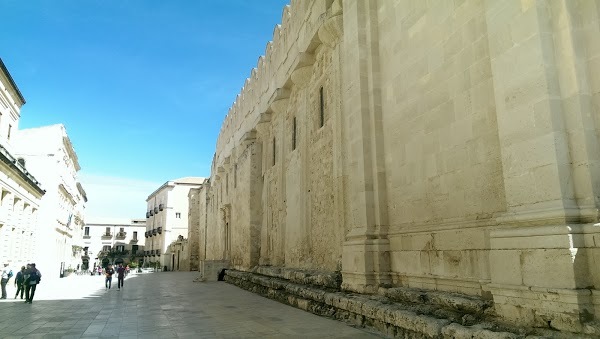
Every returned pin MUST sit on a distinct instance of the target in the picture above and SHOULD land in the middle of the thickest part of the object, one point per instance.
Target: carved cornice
(280, 105)
(279, 100)
(332, 30)
(301, 76)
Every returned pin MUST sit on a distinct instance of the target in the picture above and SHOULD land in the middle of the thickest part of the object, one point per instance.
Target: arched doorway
(105, 262)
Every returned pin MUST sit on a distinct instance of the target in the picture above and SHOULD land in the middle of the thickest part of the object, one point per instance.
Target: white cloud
(115, 197)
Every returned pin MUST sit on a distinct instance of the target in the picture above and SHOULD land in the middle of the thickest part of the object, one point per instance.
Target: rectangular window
(108, 231)
(122, 230)
(177, 215)
(106, 248)
(134, 235)
(134, 248)
(87, 230)
(274, 149)
(234, 175)
(294, 134)
(321, 107)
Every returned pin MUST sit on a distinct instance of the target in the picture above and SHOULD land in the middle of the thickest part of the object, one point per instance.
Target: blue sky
(141, 86)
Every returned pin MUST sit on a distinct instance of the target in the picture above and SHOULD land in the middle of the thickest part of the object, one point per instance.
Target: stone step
(394, 319)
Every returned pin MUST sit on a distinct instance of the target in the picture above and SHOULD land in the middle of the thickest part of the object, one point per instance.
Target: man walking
(120, 276)
(6, 274)
(109, 273)
(20, 282)
(33, 278)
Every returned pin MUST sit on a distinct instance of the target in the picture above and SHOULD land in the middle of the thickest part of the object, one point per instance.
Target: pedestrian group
(26, 281)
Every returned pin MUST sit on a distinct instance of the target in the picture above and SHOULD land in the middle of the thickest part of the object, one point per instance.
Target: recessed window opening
(294, 134)
(234, 175)
(321, 107)
(274, 149)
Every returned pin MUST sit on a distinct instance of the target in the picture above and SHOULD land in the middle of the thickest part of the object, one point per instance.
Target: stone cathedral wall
(445, 145)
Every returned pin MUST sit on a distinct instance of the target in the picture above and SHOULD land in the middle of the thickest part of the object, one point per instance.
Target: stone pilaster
(549, 150)
(365, 257)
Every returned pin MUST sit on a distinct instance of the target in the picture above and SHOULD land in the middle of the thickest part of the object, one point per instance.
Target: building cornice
(12, 82)
(13, 164)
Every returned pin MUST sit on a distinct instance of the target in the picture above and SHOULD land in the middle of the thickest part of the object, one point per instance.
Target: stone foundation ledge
(325, 279)
(452, 301)
(394, 319)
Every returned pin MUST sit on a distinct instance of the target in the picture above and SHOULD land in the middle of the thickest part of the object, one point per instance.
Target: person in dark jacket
(120, 276)
(109, 273)
(20, 282)
(32, 279)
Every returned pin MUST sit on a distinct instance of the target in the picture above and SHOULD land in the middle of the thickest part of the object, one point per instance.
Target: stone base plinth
(210, 269)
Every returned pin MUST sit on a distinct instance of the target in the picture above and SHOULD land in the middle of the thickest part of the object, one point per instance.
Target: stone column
(365, 257)
(539, 259)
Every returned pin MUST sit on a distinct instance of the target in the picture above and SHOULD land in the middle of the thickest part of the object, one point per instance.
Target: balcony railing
(147, 214)
(121, 235)
(106, 235)
(151, 212)
(159, 230)
(86, 236)
(155, 210)
(160, 207)
(154, 231)
(134, 241)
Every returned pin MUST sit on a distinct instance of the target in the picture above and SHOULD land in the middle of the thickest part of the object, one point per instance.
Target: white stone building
(449, 146)
(113, 241)
(20, 192)
(49, 155)
(167, 219)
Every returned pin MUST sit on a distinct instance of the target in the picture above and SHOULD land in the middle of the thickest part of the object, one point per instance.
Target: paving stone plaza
(159, 305)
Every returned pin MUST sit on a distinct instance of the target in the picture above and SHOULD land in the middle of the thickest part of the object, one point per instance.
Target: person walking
(20, 282)
(120, 276)
(6, 274)
(33, 279)
(109, 273)
(99, 270)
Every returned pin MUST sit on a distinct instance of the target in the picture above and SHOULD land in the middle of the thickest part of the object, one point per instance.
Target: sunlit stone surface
(442, 146)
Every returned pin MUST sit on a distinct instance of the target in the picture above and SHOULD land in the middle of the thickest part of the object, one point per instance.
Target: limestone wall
(447, 145)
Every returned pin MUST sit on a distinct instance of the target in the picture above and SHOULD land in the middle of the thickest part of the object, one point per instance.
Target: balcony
(121, 235)
(151, 212)
(147, 215)
(134, 241)
(86, 236)
(159, 230)
(106, 235)
(160, 207)
(155, 210)
(154, 231)
(146, 234)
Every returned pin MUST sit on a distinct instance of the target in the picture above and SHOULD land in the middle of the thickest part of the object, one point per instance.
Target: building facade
(448, 146)
(167, 219)
(113, 241)
(49, 155)
(20, 192)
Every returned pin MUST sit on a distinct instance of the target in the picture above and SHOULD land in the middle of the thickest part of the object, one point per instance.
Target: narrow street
(158, 305)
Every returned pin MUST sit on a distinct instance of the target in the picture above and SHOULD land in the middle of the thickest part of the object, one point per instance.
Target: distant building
(167, 219)
(113, 241)
(48, 154)
(20, 192)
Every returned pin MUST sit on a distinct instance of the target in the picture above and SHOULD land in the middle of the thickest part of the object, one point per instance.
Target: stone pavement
(159, 305)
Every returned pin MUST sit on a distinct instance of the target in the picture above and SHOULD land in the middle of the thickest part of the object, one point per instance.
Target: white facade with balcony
(20, 192)
(113, 241)
(49, 155)
(167, 219)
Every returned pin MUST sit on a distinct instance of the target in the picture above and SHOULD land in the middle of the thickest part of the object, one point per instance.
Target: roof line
(12, 82)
